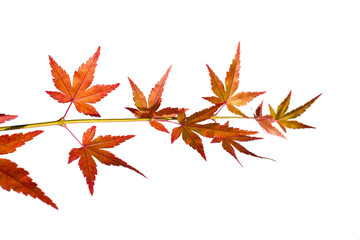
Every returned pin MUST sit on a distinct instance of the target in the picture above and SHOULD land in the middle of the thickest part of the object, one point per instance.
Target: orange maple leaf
(231, 142)
(93, 148)
(282, 116)
(225, 95)
(189, 126)
(150, 109)
(79, 92)
(14, 178)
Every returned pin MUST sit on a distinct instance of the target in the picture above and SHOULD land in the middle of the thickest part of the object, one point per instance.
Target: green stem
(62, 122)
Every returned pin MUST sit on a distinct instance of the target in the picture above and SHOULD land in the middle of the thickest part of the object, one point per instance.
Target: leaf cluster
(193, 128)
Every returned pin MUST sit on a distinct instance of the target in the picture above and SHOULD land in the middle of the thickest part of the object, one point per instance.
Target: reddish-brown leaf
(281, 116)
(158, 126)
(186, 125)
(4, 117)
(156, 92)
(93, 148)
(229, 142)
(232, 76)
(190, 127)
(199, 116)
(139, 97)
(11, 176)
(149, 109)
(225, 95)
(193, 140)
(79, 92)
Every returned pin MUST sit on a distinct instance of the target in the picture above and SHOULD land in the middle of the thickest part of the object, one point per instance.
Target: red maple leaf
(14, 178)
(79, 93)
(150, 109)
(4, 117)
(93, 148)
(225, 95)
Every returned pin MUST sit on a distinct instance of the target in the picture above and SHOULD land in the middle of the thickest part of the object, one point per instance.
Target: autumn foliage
(79, 93)
(191, 127)
(13, 177)
(93, 148)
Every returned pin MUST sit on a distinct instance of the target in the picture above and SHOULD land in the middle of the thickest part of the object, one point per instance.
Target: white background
(310, 47)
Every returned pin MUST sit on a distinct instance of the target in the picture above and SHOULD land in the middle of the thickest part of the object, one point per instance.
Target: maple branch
(231, 117)
(81, 93)
(62, 122)
(30, 125)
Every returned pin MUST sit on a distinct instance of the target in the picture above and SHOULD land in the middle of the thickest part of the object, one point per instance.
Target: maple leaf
(189, 126)
(9, 143)
(225, 95)
(79, 93)
(149, 109)
(266, 122)
(14, 178)
(231, 142)
(282, 116)
(93, 148)
(4, 117)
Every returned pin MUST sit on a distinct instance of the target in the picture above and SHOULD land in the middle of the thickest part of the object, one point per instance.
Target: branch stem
(62, 122)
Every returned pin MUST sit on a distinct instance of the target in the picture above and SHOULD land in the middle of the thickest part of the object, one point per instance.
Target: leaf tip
(94, 115)
(129, 136)
(131, 82)
(91, 188)
(208, 67)
(37, 132)
(318, 96)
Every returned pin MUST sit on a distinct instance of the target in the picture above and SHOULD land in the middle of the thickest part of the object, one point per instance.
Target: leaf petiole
(73, 135)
